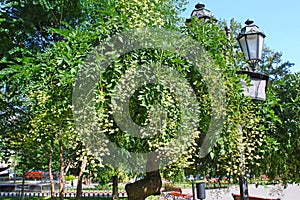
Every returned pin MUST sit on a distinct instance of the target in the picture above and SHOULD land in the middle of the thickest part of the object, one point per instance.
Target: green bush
(69, 178)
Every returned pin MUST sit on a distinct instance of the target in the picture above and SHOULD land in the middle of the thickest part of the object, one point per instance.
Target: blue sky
(279, 20)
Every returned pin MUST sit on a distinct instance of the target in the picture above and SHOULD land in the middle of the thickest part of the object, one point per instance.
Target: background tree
(48, 73)
(284, 156)
(26, 24)
(273, 65)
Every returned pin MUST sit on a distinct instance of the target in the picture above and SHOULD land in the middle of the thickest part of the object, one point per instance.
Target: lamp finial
(199, 5)
(249, 22)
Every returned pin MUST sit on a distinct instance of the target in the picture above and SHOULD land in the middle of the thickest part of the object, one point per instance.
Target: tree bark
(80, 178)
(67, 167)
(50, 170)
(61, 169)
(150, 185)
(23, 184)
(115, 195)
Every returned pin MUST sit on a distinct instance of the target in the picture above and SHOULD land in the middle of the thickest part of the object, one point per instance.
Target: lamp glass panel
(260, 46)
(257, 89)
(243, 45)
(252, 45)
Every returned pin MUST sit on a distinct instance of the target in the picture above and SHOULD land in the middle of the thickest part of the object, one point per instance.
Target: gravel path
(292, 192)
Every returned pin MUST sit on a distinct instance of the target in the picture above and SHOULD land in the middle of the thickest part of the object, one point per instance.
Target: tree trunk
(61, 169)
(50, 170)
(115, 195)
(80, 178)
(23, 184)
(67, 167)
(150, 185)
(15, 171)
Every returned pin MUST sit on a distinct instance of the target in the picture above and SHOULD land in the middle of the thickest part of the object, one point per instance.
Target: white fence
(66, 194)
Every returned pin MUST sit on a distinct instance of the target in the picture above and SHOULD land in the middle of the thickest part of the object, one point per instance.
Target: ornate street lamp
(251, 41)
(201, 13)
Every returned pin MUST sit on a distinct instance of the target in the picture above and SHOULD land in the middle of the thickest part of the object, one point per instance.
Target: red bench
(237, 197)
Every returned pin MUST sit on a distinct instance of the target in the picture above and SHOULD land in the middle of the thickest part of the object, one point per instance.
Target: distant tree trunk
(61, 169)
(150, 185)
(115, 195)
(50, 169)
(23, 184)
(80, 178)
(15, 171)
(67, 167)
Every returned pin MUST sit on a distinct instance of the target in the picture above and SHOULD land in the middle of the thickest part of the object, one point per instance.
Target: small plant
(69, 178)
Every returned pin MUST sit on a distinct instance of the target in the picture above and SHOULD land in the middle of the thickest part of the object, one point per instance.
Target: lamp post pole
(193, 186)
(244, 194)
(251, 41)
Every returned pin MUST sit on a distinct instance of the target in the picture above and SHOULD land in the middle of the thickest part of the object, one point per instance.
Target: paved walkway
(292, 192)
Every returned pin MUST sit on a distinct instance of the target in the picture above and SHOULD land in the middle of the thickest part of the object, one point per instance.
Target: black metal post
(244, 195)
(193, 188)
(244, 188)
